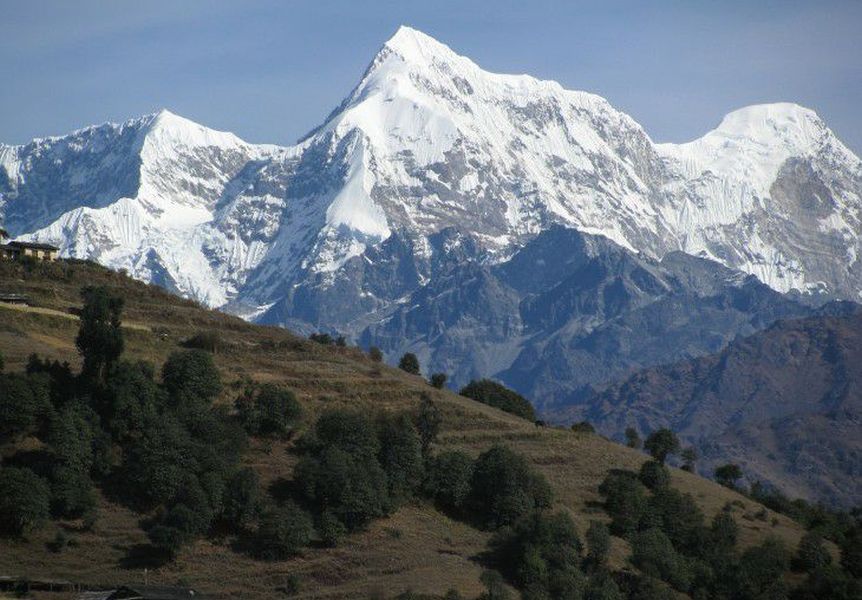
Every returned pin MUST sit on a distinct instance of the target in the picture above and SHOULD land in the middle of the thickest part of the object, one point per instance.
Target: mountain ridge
(402, 151)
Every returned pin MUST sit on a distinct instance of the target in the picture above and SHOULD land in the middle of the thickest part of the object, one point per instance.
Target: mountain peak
(751, 120)
(166, 126)
(413, 44)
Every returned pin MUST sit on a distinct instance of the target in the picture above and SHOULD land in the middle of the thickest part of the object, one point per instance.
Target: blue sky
(271, 70)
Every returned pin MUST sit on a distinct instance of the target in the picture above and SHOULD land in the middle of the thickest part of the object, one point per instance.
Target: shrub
(409, 363)
(272, 411)
(191, 376)
(448, 480)
(661, 444)
(438, 380)
(499, 396)
(283, 532)
(504, 488)
(727, 475)
(654, 474)
(24, 502)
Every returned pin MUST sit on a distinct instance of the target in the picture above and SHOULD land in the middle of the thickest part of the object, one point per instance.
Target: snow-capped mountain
(427, 141)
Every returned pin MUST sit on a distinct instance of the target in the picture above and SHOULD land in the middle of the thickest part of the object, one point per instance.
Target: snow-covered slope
(428, 141)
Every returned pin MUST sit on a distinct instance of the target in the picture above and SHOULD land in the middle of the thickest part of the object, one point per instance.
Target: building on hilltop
(14, 250)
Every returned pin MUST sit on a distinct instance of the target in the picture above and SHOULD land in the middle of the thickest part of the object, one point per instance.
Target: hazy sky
(271, 70)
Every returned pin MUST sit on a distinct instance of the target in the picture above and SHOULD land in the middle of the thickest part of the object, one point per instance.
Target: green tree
(331, 529)
(499, 396)
(654, 474)
(448, 480)
(829, 583)
(653, 553)
(400, 456)
(23, 404)
(191, 377)
(283, 532)
(851, 551)
(633, 440)
(603, 587)
(680, 518)
(811, 554)
(761, 569)
(727, 475)
(242, 499)
(504, 487)
(375, 354)
(272, 411)
(661, 444)
(625, 501)
(72, 493)
(689, 458)
(131, 398)
(724, 532)
(542, 553)
(167, 540)
(438, 380)
(24, 501)
(598, 544)
(428, 423)
(495, 587)
(100, 337)
(340, 471)
(409, 363)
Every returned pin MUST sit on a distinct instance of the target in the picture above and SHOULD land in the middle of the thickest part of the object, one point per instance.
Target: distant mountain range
(785, 404)
(497, 225)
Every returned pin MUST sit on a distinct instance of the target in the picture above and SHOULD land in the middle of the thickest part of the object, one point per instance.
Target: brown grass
(417, 548)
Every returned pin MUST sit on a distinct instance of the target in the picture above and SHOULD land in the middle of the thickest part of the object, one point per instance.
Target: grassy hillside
(418, 548)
